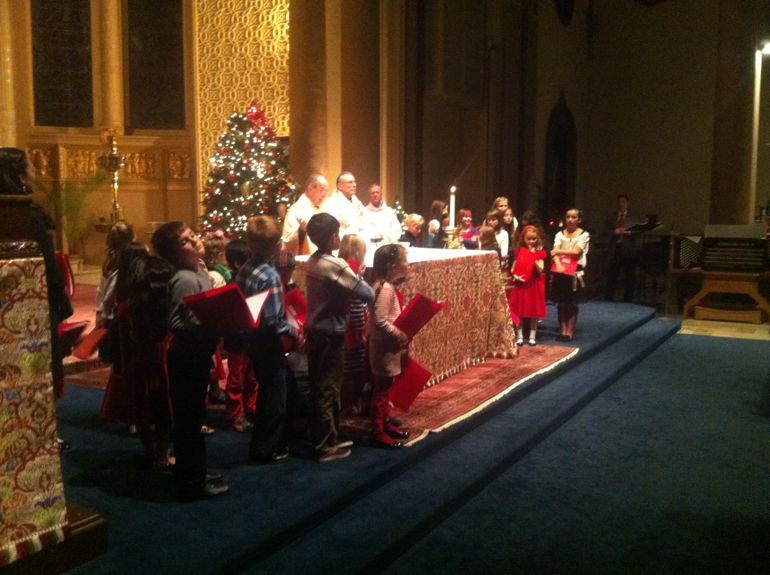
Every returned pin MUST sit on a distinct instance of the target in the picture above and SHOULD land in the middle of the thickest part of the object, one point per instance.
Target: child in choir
(270, 436)
(353, 250)
(188, 361)
(527, 299)
(502, 205)
(572, 242)
(467, 231)
(330, 285)
(487, 240)
(215, 246)
(144, 355)
(297, 379)
(510, 225)
(387, 343)
(117, 404)
(241, 384)
(120, 235)
(285, 263)
(413, 232)
(436, 239)
(495, 221)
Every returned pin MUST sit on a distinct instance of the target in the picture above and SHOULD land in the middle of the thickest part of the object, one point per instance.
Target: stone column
(307, 89)
(8, 135)
(110, 113)
(392, 100)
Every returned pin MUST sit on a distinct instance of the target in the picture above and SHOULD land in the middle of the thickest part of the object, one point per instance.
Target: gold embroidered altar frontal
(32, 506)
(474, 325)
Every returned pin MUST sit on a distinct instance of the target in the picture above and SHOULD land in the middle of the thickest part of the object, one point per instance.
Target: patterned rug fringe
(438, 378)
(514, 385)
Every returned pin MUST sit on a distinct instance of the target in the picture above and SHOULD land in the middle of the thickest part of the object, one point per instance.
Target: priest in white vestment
(343, 204)
(380, 220)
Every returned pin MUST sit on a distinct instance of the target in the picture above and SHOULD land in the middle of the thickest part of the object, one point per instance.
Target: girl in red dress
(527, 299)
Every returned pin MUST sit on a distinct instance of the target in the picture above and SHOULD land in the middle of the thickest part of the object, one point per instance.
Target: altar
(473, 326)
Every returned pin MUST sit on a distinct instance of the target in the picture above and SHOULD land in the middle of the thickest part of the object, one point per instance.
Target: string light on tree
(249, 174)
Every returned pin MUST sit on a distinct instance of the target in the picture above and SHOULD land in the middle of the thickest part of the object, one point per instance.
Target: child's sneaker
(332, 455)
(241, 424)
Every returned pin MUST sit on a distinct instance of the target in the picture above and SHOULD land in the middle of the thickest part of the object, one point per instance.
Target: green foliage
(400, 213)
(68, 200)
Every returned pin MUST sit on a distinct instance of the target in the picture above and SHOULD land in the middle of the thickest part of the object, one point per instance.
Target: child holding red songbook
(188, 361)
(241, 384)
(270, 436)
(297, 379)
(570, 246)
(330, 285)
(353, 250)
(527, 299)
(387, 343)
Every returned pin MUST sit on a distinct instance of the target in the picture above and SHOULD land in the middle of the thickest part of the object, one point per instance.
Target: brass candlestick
(453, 241)
(112, 162)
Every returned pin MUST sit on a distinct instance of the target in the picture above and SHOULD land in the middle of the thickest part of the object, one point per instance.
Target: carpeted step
(270, 509)
(665, 472)
(378, 528)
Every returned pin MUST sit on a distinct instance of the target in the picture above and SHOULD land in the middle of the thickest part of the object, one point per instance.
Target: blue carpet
(665, 472)
(272, 509)
(382, 525)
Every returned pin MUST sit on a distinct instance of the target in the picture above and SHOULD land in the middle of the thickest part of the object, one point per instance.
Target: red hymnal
(416, 314)
(564, 265)
(225, 310)
(69, 333)
(524, 265)
(408, 384)
(296, 309)
(89, 343)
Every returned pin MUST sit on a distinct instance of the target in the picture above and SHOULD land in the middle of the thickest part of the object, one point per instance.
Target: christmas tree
(249, 175)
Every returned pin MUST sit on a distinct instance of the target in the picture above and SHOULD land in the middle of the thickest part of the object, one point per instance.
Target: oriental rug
(466, 393)
(439, 406)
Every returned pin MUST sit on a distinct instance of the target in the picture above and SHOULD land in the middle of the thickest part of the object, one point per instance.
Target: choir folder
(90, 342)
(565, 265)
(408, 384)
(296, 309)
(413, 377)
(225, 310)
(416, 314)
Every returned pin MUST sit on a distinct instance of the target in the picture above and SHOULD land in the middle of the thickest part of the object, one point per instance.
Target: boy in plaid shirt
(270, 434)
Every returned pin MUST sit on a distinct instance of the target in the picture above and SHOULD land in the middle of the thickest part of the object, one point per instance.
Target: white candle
(452, 191)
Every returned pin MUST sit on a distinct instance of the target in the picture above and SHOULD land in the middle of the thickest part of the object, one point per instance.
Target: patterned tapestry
(32, 507)
(242, 55)
(474, 326)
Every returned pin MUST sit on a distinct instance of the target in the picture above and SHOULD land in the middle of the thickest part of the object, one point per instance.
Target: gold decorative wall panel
(242, 55)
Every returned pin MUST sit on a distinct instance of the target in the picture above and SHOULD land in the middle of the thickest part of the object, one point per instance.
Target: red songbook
(225, 310)
(296, 309)
(89, 343)
(69, 333)
(524, 264)
(564, 265)
(416, 314)
(408, 384)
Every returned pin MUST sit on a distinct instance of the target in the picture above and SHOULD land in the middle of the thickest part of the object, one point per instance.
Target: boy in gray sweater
(330, 284)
